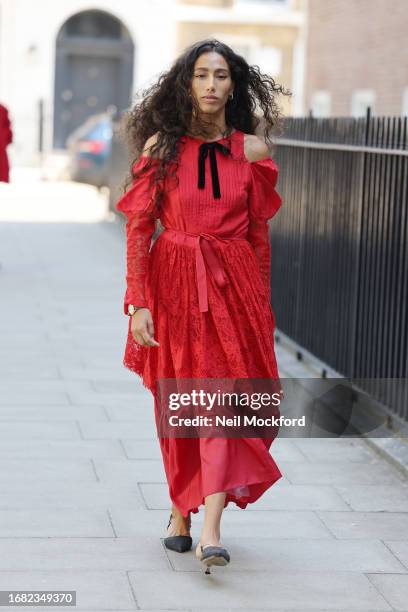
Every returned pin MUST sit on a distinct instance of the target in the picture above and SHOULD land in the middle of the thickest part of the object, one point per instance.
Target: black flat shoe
(180, 543)
(212, 555)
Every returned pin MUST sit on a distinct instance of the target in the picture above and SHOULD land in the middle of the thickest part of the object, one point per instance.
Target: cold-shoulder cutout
(255, 149)
(150, 142)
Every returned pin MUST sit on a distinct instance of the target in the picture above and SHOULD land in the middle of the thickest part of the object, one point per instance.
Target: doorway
(93, 70)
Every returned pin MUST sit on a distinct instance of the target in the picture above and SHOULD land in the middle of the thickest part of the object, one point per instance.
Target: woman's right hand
(142, 327)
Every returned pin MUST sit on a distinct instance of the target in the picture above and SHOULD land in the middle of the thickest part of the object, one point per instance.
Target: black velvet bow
(203, 152)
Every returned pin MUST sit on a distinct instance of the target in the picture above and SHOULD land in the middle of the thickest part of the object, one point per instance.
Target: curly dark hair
(166, 108)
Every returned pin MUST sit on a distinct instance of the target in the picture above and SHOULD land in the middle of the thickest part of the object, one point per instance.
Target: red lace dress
(205, 280)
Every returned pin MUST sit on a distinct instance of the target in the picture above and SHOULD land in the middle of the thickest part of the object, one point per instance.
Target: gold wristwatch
(132, 309)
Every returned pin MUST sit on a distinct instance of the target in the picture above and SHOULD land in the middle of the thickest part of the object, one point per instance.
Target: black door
(93, 70)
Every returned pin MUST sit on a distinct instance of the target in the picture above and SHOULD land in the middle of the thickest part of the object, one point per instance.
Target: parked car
(89, 148)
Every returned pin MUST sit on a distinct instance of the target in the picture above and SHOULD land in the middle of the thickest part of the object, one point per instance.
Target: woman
(6, 138)
(199, 300)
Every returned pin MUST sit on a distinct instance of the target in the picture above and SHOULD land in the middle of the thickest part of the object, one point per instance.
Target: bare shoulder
(150, 142)
(255, 148)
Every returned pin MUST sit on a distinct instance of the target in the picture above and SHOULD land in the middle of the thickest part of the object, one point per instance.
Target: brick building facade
(356, 56)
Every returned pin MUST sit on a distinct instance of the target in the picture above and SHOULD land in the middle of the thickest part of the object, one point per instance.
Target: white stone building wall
(28, 32)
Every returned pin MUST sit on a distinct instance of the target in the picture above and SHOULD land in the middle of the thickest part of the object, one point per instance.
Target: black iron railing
(340, 248)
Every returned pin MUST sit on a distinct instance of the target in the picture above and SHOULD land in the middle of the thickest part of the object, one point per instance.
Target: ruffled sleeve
(138, 205)
(140, 197)
(263, 203)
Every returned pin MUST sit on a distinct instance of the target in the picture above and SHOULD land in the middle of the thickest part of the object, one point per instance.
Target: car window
(100, 131)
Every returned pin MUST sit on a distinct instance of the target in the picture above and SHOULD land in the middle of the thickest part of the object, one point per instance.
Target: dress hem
(241, 502)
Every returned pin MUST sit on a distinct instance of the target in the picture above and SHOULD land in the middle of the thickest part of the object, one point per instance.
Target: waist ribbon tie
(205, 257)
(202, 155)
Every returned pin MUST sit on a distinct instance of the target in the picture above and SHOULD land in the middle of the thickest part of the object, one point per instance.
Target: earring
(231, 96)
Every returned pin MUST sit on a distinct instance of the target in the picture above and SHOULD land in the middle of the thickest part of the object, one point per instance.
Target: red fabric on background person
(6, 137)
(216, 325)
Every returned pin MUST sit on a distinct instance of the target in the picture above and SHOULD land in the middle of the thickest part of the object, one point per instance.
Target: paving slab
(92, 372)
(50, 449)
(143, 429)
(242, 590)
(94, 590)
(52, 413)
(42, 388)
(128, 473)
(34, 430)
(366, 525)
(284, 449)
(136, 399)
(16, 396)
(375, 498)
(141, 449)
(399, 546)
(102, 553)
(15, 371)
(54, 523)
(394, 588)
(142, 409)
(373, 472)
(334, 449)
(25, 471)
(69, 494)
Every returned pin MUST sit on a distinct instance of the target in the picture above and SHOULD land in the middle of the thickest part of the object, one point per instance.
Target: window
(268, 7)
(93, 24)
(321, 104)
(361, 99)
(242, 44)
(268, 58)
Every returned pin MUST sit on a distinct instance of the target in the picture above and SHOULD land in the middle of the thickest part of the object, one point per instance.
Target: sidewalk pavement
(84, 501)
